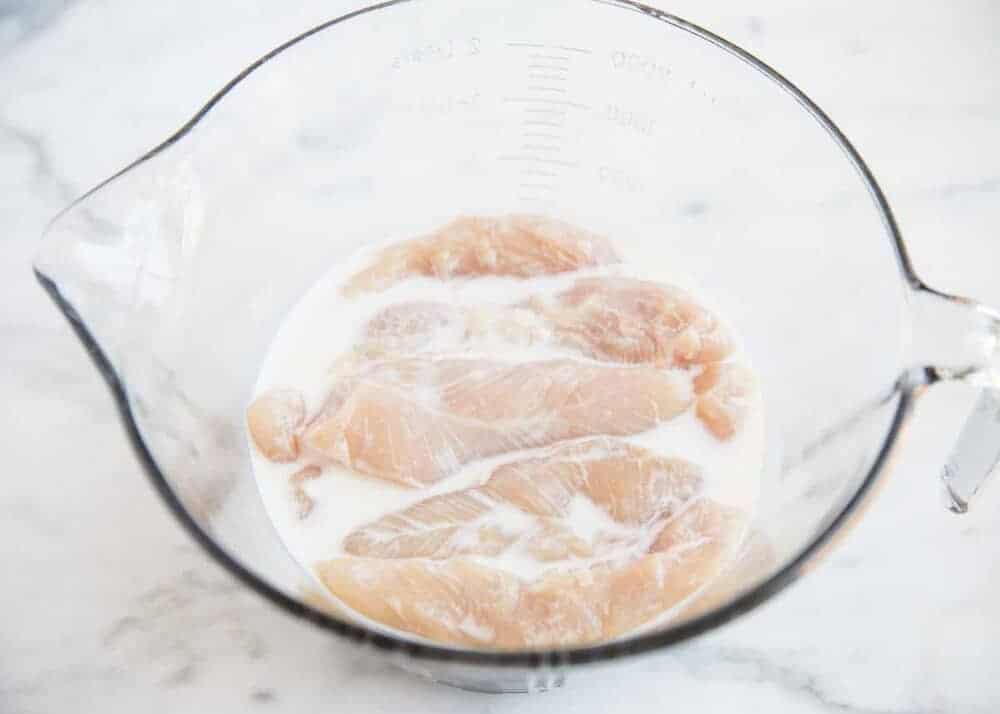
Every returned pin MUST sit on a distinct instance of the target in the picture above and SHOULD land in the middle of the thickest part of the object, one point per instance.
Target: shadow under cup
(178, 271)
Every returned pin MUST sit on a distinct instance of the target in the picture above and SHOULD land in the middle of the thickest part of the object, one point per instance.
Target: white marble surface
(107, 606)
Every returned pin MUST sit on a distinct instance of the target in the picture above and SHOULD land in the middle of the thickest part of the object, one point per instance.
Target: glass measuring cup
(627, 121)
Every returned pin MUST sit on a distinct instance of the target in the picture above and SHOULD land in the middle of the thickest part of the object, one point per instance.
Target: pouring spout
(117, 257)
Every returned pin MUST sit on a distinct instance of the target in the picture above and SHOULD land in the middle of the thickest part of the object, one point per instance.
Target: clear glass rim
(670, 635)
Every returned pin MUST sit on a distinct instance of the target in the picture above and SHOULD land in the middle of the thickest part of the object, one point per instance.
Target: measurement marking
(543, 100)
(546, 77)
(541, 160)
(541, 122)
(538, 172)
(547, 71)
(540, 147)
(554, 58)
(548, 112)
(539, 46)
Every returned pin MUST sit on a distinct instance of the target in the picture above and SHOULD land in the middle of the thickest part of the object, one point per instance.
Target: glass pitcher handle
(959, 340)
(976, 454)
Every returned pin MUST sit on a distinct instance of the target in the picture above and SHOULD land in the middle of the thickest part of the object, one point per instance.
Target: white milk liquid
(324, 325)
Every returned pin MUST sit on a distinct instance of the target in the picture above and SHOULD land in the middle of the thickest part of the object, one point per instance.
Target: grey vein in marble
(44, 166)
(731, 663)
(951, 190)
(21, 19)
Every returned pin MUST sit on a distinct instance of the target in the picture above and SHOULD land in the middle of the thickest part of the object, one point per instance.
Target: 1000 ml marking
(650, 68)
(643, 65)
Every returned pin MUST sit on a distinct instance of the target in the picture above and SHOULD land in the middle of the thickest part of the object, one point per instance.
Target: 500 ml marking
(442, 51)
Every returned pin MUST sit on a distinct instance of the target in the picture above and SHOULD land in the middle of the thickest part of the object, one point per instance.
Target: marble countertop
(106, 605)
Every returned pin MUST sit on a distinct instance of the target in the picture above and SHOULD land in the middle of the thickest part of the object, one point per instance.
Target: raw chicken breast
(526, 505)
(615, 597)
(462, 602)
(621, 319)
(520, 246)
(454, 601)
(415, 421)
(755, 558)
(723, 392)
(273, 420)
(612, 319)
(427, 327)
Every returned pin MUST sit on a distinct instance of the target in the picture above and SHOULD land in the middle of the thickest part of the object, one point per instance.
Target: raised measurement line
(538, 172)
(546, 100)
(539, 46)
(541, 160)
(541, 135)
(552, 67)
